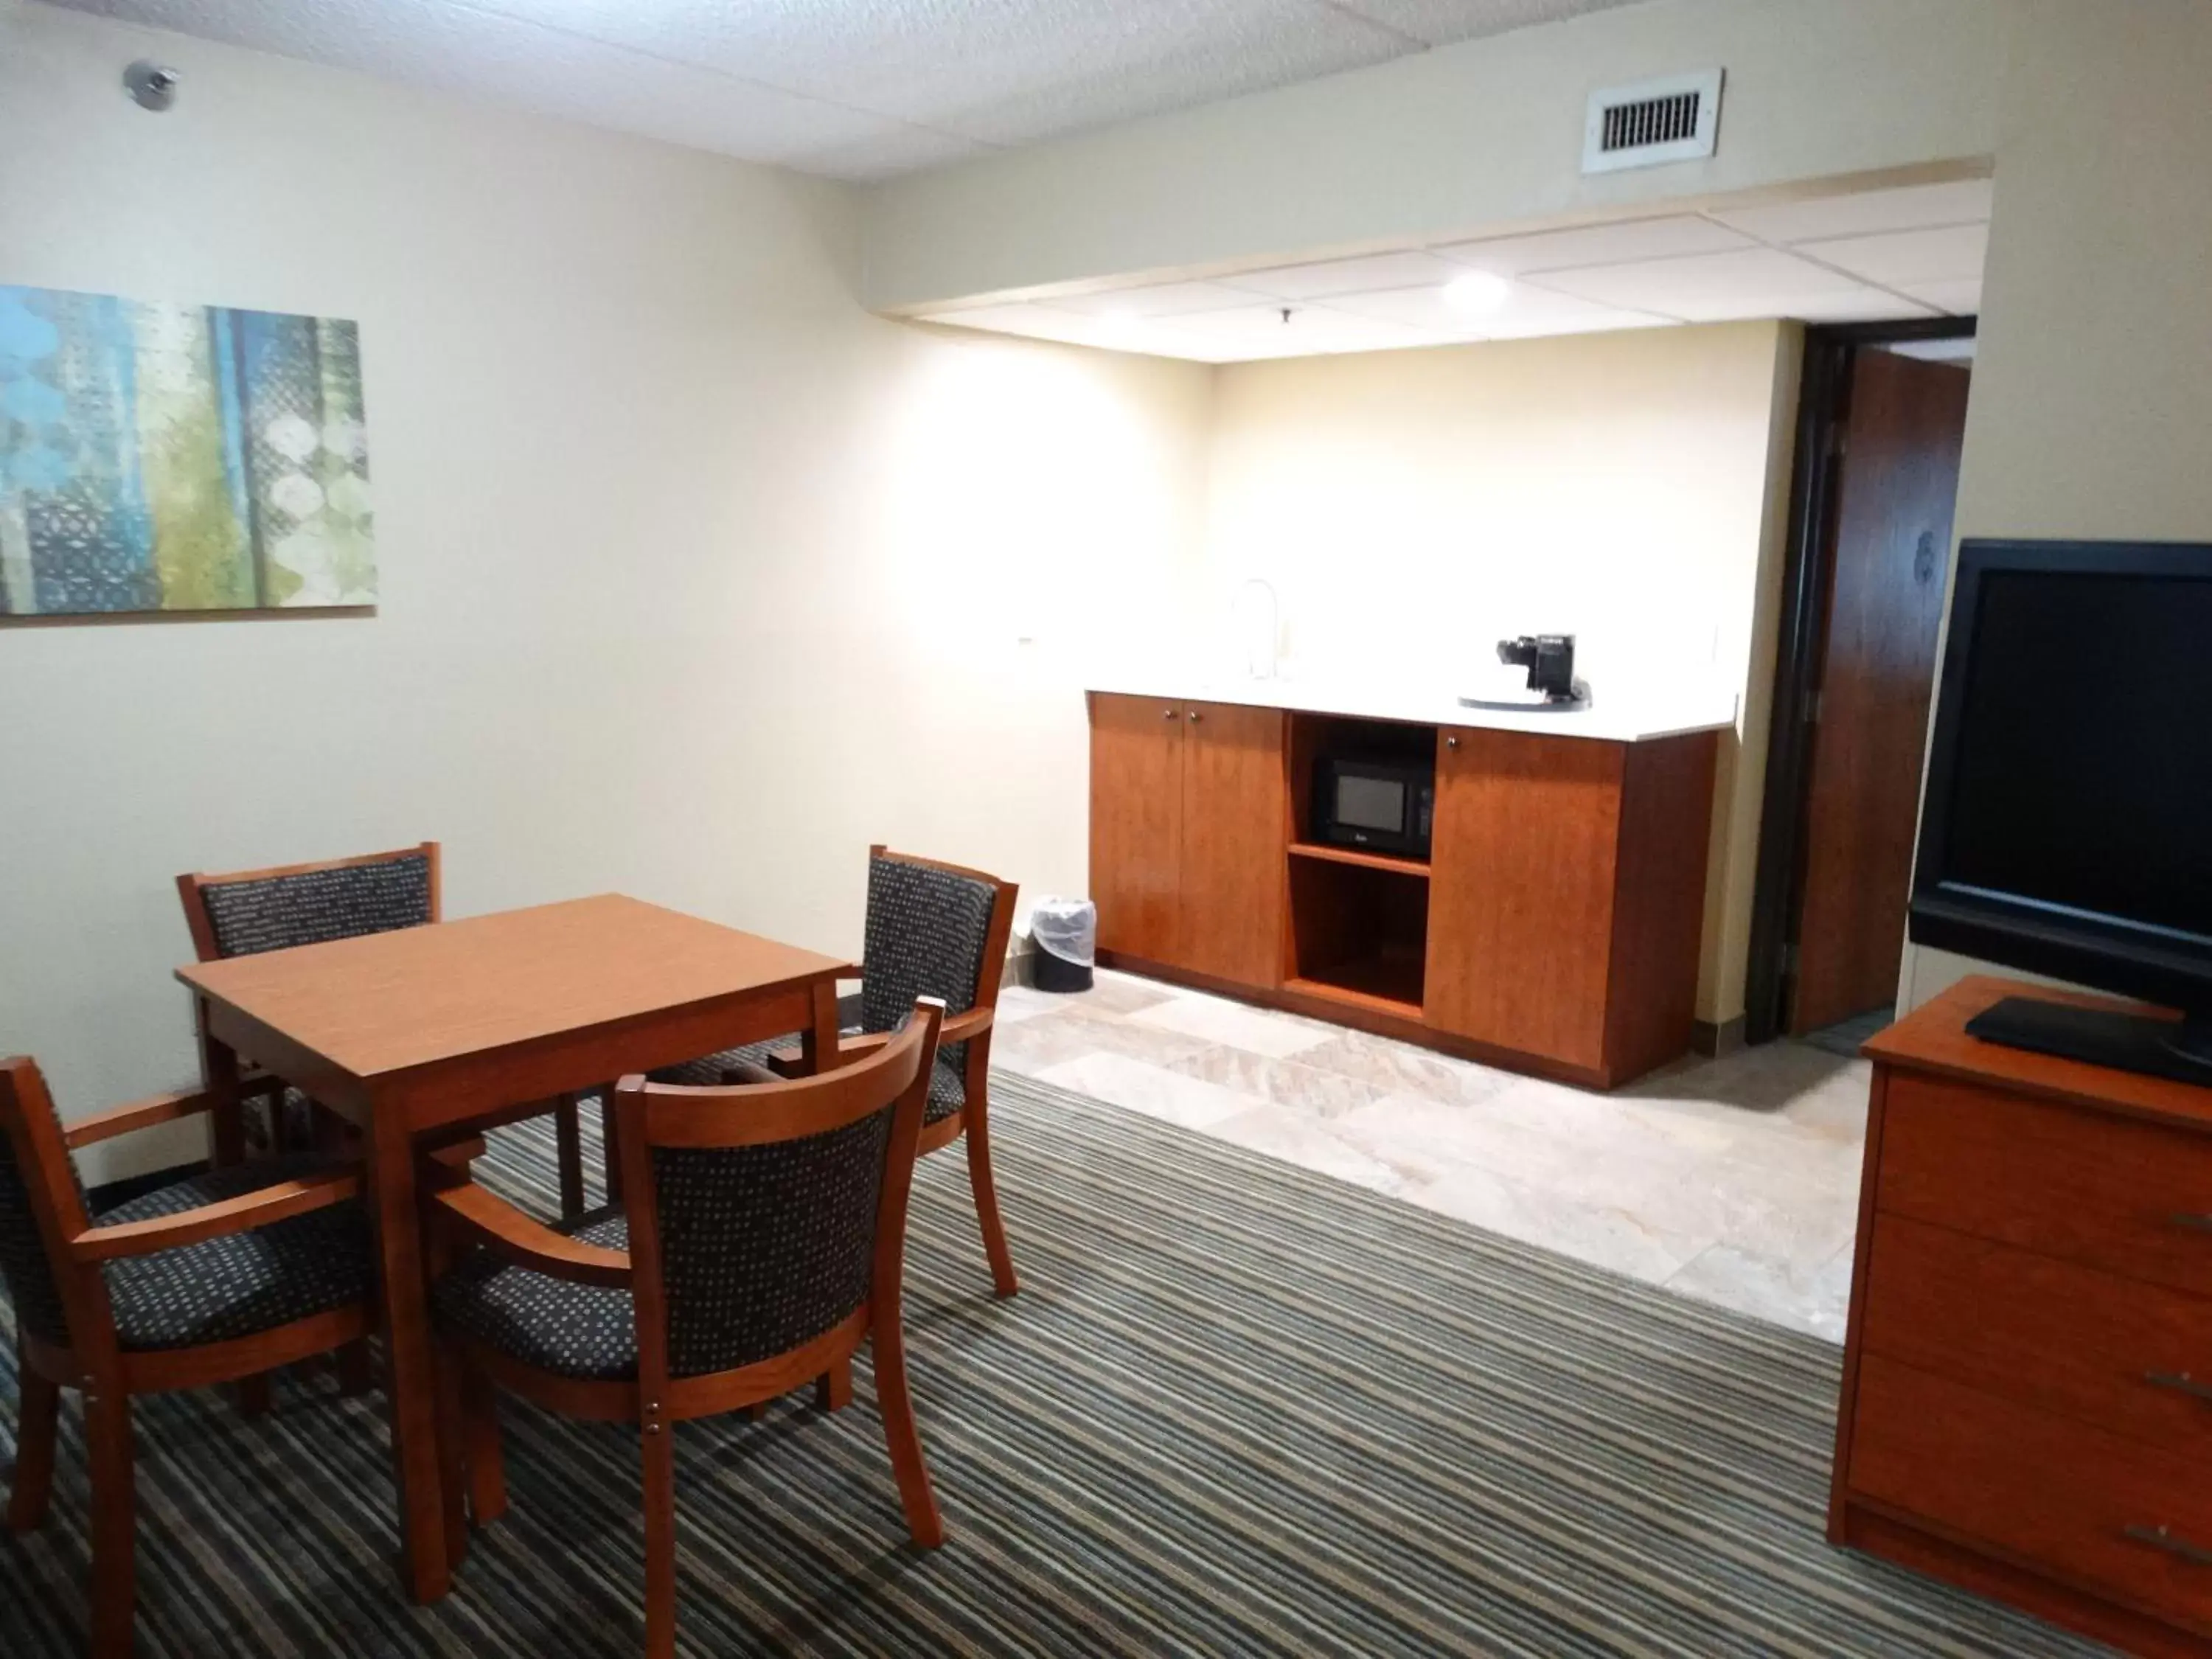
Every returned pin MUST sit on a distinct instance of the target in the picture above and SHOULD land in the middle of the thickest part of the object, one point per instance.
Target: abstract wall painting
(171, 458)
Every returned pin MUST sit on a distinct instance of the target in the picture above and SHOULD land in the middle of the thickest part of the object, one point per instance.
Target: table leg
(409, 1378)
(219, 1077)
(818, 1043)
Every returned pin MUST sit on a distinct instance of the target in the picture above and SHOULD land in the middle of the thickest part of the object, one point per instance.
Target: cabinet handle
(1167, 714)
(2163, 1538)
(1451, 743)
(2195, 1221)
(2180, 1383)
(1194, 716)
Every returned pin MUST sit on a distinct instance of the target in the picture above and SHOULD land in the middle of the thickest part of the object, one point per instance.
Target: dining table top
(382, 1003)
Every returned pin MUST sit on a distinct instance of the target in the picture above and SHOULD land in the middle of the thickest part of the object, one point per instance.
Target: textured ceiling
(853, 89)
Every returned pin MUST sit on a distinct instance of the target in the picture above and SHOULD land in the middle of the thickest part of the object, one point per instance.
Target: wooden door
(1136, 822)
(1236, 825)
(1896, 488)
(1521, 880)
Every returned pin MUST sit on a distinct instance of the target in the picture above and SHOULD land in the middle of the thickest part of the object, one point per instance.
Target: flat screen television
(2068, 823)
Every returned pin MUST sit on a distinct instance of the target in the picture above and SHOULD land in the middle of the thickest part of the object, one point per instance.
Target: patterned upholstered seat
(238, 1285)
(196, 1283)
(763, 1249)
(244, 1283)
(928, 930)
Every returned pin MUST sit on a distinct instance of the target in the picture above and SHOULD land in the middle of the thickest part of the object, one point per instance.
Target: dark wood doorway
(1877, 486)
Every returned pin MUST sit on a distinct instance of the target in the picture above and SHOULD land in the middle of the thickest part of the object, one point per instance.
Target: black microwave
(1384, 806)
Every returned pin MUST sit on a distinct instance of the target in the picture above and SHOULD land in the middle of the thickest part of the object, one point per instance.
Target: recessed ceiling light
(1477, 291)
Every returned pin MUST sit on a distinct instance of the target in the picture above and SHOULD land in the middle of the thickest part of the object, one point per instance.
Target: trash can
(1066, 934)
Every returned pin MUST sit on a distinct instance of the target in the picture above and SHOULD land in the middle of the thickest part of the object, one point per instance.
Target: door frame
(1823, 417)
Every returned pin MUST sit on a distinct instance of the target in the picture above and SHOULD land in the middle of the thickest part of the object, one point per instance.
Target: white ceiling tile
(1707, 287)
(1959, 299)
(1369, 275)
(1865, 305)
(1864, 213)
(1525, 312)
(1155, 300)
(1903, 258)
(1261, 330)
(481, 54)
(1440, 22)
(1596, 245)
(843, 86)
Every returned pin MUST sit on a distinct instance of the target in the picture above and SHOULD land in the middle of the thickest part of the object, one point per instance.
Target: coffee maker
(1549, 659)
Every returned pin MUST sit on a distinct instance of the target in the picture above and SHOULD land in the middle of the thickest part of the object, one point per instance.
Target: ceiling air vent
(1673, 118)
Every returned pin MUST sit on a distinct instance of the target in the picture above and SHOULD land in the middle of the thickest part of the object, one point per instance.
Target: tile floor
(1735, 1181)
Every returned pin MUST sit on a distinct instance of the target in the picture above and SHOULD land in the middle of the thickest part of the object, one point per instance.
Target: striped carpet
(1238, 1409)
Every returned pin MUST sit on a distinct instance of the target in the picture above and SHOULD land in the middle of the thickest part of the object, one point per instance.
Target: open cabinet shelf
(1315, 849)
(1359, 930)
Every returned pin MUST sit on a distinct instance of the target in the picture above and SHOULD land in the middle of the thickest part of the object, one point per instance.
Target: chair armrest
(962, 1027)
(137, 1115)
(789, 1062)
(449, 1165)
(278, 1202)
(481, 1218)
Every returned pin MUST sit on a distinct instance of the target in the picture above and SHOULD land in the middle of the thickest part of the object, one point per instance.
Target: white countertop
(1633, 721)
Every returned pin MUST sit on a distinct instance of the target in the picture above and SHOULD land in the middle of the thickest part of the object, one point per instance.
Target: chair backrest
(250, 911)
(42, 1203)
(775, 1211)
(933, 930)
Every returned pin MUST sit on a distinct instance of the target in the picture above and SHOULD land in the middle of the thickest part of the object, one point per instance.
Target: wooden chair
(249, 911)
(935, 930)
(223, 1276)
(762, 1242)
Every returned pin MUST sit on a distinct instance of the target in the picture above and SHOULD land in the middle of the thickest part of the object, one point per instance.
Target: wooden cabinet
(1555, 926)
(1136, 823)
(1189, 822)
(1234, 826)
(2028, 1375)
(1566, 895)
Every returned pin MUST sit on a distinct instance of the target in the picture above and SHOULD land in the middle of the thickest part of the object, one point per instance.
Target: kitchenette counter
(1629, 720)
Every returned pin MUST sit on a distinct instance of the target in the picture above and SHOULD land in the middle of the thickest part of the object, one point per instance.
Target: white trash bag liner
(1068, 928)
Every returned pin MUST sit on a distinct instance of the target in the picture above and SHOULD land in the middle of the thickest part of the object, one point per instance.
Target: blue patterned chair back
(25, 1265)
(310, 907)
(766, 1247)
(928, 930)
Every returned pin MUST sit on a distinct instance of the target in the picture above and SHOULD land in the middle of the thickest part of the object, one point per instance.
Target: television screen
(2068, 822)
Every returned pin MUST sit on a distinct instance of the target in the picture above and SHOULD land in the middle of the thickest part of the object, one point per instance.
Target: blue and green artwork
(158, 457)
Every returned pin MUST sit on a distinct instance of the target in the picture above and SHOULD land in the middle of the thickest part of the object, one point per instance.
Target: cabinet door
(1136, 822)
(1234, 828)
(1521, 881)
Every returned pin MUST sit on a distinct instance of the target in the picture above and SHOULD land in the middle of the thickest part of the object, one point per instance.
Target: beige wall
(1411, 507)
(696, 578)
(1480, 136)
(2092, 409)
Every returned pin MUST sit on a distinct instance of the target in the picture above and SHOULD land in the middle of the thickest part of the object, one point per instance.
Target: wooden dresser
(2027, 1381)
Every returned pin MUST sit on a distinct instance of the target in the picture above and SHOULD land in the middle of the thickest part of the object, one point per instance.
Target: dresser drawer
(2132, 1198)
(2132, 1357)
(2079, 1502)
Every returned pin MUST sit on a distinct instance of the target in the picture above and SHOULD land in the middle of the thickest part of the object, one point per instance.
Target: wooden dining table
(434, 1028)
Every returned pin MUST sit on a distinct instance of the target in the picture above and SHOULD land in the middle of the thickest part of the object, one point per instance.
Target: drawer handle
(2161, 1538)
(2196, 1221)
(2180, 1383)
